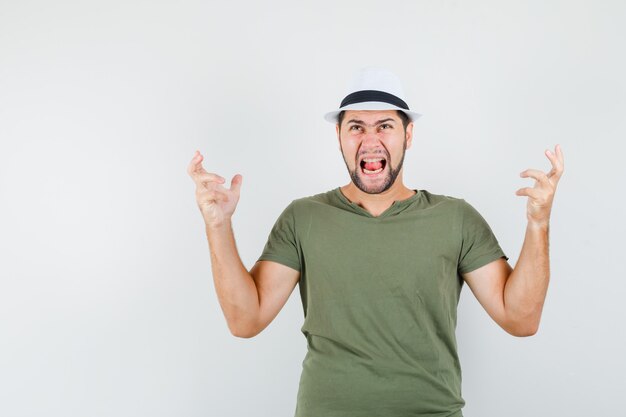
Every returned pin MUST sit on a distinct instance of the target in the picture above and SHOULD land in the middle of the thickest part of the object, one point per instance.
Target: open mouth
(373, 166)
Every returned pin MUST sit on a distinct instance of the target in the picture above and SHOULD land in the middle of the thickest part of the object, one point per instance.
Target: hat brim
(369, 105)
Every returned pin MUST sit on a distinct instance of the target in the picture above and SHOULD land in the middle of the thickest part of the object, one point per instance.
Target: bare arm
(235, 288)
(515, 298)
(249, 300)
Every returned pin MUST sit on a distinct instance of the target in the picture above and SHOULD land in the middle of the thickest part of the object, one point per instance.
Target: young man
(380, 268)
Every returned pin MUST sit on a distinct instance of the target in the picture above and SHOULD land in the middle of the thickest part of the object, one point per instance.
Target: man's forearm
(235, 287)
(526, 288)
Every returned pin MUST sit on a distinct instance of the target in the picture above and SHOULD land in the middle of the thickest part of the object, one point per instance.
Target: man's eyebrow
(361, 122)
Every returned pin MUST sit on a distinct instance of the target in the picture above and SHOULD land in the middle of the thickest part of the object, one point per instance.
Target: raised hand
(540, 196)
(216, 202)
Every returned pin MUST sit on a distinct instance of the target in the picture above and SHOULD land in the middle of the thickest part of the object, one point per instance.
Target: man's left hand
(540, 196)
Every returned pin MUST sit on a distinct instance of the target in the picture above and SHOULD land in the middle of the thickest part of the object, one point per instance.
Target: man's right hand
(216, 203)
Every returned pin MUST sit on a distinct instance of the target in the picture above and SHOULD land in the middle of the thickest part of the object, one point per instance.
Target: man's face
(373, 143)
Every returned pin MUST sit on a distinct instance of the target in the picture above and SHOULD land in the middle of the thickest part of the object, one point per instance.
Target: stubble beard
(392, 174)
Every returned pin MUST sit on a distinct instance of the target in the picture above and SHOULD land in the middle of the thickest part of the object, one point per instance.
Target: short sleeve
(282, 245)
(479, 245)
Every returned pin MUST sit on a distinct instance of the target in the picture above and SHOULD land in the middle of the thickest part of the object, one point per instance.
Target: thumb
(235, 183)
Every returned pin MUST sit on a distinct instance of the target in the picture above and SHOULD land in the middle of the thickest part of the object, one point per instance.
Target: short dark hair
(403, 116)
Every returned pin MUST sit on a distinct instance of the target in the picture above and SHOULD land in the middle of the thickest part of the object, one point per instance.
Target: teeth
(373, 159)
(367, 171)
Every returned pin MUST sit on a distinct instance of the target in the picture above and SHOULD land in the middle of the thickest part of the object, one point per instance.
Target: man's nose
(371, 139)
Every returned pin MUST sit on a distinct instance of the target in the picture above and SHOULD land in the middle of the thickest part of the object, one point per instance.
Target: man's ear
(409, 135)
(338, 136)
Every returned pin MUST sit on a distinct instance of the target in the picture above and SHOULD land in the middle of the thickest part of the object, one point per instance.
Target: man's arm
(249, 300)
(514, 298)
(234, 286)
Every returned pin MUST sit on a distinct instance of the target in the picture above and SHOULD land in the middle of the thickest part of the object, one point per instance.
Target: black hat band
(373, 95)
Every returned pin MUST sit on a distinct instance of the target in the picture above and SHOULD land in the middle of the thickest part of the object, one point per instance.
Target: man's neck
(376, 204)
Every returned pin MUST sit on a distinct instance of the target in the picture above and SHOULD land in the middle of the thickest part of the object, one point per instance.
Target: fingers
(208, 177)
(195, 166)
(528, 191)
(199, 175)
(540, 176)
(235, 183)
(556, 159)
(559, 154)
(204, 179)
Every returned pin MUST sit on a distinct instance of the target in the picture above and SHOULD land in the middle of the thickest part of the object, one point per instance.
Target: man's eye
(385, 126)
(355, 127)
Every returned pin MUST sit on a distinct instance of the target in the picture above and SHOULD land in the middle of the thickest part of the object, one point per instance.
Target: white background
(107, 305)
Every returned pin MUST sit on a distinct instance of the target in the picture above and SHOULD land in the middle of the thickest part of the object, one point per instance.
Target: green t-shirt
(380, 296)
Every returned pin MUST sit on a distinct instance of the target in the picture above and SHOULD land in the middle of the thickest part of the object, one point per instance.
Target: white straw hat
(373, 89)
